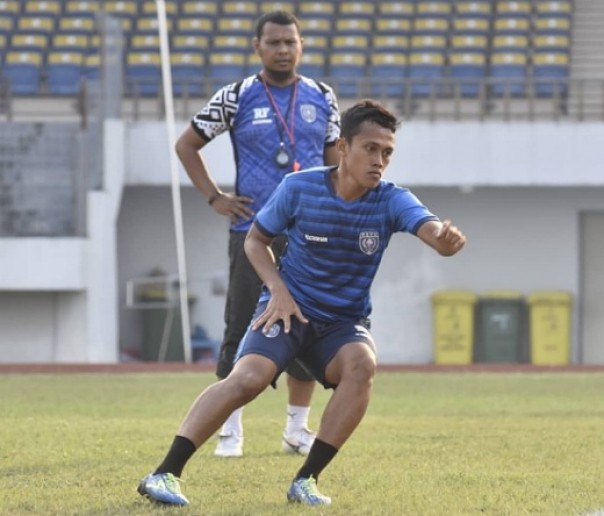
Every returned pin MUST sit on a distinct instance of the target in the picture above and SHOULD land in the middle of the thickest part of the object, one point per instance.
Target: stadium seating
(143, 73)
(427, 39)
(65, 71)
(187, 73)
(390, 70)
(22, 71)
(550, 71)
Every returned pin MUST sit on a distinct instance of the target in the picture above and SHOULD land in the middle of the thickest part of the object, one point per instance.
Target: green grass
(431, 444)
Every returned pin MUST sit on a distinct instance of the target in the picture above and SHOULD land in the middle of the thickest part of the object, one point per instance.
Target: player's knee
(362, 368)
(247, 384)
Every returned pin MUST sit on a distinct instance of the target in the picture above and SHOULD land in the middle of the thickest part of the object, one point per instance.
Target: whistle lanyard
(291, 114)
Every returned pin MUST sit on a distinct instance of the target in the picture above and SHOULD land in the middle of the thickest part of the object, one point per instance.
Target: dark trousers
(242, 298)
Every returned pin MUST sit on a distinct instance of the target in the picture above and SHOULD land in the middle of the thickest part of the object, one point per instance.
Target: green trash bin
(162, 321)
(501, 327)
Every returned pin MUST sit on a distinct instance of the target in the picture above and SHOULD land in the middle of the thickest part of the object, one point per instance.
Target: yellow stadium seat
(469, 43)
(317, 26)
(512, 26)
(394, 26)
(230, 43)
(430, 26)
(558, 8)
(315, 43)
(360, 43)
(29, 42)
(193, 43)
(36, 24)
(551, 44)
(41, 8)
(512, 8)
(196, 8)
(127, 8)
(194, 26)
(149, 24)
(82, 7)
(396, 9)
(510, 44)
(392, 43)
(72, 42)
(357, 9)
(149, 8)
(240, 9)
(306, 9)
(140, 42)
(76, 25)
(433, 9)
(266, 7)
(6, 24)
(429, 43)
(232, 25)
(555, 26)
(471, 26)
(480, 9)
(10, 7)
(354, 25)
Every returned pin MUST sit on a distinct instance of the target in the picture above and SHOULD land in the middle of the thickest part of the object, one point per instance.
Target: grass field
(431, 444)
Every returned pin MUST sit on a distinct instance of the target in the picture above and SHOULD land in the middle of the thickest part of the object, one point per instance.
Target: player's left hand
(281, 307)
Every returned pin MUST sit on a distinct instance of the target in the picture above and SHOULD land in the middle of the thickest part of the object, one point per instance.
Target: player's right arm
(281, 306)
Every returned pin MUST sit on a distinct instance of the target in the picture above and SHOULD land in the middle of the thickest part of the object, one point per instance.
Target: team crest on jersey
(273, 331)
(369, 241)
(308, 112)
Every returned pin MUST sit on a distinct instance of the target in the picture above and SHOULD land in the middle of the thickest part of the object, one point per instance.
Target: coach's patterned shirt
(244, 109)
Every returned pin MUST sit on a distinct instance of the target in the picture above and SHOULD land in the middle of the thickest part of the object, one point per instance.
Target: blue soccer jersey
(248, 112)
(335, 246)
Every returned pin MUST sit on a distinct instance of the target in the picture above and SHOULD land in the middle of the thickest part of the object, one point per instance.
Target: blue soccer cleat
(162, 488)
(304, 490)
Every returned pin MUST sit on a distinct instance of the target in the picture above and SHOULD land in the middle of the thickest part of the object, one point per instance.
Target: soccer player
(315, 305)
(278, 121)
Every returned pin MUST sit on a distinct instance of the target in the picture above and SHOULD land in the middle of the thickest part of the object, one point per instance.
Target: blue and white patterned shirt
(243, 108)
(335, 246)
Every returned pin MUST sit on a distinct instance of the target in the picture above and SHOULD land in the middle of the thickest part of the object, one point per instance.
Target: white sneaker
(229, 445)
(298, 441)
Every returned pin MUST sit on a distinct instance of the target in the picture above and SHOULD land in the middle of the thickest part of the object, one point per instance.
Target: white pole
(176, 202)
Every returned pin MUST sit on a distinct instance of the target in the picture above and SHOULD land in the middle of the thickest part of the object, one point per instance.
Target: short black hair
(278, 17)
(366, 110)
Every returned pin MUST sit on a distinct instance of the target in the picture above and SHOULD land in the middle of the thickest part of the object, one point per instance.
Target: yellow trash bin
(453, 326)
(550, 322)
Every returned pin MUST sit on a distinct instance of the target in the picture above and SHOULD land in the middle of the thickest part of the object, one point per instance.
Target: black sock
(319, 457)
(180, 452)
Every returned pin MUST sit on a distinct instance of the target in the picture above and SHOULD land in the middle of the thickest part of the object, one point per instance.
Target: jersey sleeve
(333, 122)
(274, 217)
(407, 212)
(216, 116)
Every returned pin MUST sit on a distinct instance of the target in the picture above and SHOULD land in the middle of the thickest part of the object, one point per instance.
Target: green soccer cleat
(304, 490)
(162, 488)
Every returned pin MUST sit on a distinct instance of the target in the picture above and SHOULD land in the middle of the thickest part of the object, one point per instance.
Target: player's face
(367, 155)
(279, 48)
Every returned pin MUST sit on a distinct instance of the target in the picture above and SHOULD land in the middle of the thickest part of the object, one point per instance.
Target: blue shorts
(314, 344)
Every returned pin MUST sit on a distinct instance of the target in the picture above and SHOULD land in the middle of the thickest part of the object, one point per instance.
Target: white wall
(519, 238)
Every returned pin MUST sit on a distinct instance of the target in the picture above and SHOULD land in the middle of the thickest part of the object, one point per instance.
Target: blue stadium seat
(226, 66)
(92, 66)
(143, 73)
(64, 72)
(312, 64)
(550, 72)
(188, 72)
(7, 24)
(387, 72)
(253, 64)
(469, 68)
(23, 72)
(510, 72)
(346, 69)
(425, 70)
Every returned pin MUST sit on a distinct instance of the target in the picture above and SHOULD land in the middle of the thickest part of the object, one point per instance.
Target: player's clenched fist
(449, 238)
